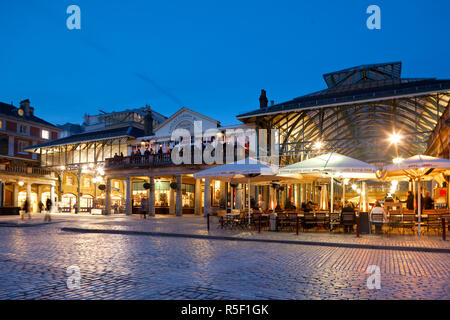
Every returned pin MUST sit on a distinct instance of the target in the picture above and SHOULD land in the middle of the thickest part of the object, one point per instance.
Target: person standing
(410, 201)
(428, 202)
(47, 217)
(26, 209)
(144, 207)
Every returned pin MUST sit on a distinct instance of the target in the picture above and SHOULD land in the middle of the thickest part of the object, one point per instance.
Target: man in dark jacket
(428, 203)
(410, 201)
(348, 225)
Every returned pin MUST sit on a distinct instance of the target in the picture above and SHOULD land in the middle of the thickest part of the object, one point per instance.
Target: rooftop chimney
(263, 100)
(25, 106)
(148, 123)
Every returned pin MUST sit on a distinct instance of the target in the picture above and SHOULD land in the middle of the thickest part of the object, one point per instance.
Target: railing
(23, 170)
(155, 160)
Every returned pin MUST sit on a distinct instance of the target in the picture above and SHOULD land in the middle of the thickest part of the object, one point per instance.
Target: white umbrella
(418, 167)
(335, 164)
(248, 169)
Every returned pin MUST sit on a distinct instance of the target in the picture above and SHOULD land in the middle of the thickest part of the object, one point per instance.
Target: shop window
(162, 193)
(187, 191)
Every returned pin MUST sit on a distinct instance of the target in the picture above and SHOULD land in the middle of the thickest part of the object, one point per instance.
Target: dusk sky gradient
(211, 56)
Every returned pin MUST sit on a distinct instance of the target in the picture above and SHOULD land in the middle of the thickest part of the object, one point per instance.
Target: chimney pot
(263, 100)
(25, 106)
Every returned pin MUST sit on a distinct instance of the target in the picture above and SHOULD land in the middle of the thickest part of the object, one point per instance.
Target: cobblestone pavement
(33, 263)
(197, 226)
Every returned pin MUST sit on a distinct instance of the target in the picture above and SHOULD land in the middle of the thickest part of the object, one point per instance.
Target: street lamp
(395, 138)
(318, 145)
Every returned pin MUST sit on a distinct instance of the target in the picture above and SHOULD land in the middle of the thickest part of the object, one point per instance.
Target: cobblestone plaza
(34, 262)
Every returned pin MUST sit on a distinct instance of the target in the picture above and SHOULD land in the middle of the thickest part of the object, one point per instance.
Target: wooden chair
(322, 220)
(348, 220)
(308, 220)
(377, 219)
(335, 220)
(408, 220)
(433, 223)
(395, 220)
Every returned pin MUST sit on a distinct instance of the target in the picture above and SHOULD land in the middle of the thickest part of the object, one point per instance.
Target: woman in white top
(377, 209)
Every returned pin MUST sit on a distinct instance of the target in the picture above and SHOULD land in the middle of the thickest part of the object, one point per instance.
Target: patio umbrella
(418, 167)
(243, 171)
(335, 165)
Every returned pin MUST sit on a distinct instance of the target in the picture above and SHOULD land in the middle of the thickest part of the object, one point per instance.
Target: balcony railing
(155, 160)
(23, 170)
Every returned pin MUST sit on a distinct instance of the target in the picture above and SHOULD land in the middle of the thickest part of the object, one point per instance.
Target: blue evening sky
(211, 56)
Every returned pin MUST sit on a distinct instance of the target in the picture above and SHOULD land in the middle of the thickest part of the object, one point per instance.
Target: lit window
(1, 124)
(69, 181)
(45, 134)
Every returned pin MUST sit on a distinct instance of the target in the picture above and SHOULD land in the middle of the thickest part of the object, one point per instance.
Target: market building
(21, 175)
(366, 112)
(106, 168)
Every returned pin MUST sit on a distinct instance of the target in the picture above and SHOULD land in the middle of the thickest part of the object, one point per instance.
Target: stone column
(266, 197)
(151, 198)
(52, 198)
(172, 200)
(129, 202)
(2, 194)
(207, 202)
(223, 190)
(239, 196)
(78, 191)
(178, 204)
(29, 195)
(15, 194)
(108, 197)
(198, 197)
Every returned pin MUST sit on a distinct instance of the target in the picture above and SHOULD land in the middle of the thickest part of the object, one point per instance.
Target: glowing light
(21, 183)
(318, 145)
(346, 181)
(91, 165)
(63, 167)
(394, 185)
(354, 187)
(100, 171)
(397, 160)
(358, 191)
(395, 138)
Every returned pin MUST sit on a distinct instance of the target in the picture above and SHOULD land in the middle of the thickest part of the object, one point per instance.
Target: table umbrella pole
(419, 206)
(249, 207)
(332, 195)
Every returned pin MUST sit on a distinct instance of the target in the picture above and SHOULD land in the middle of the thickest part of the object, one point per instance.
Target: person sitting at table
(289, 205)
(278, 208)
(348, 208)
(308, 207)
(377, 209)
(261, 203)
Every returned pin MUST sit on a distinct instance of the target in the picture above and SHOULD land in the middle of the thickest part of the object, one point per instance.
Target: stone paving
(34, 260)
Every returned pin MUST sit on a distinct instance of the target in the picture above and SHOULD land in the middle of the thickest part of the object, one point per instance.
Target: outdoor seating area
(399, 222)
